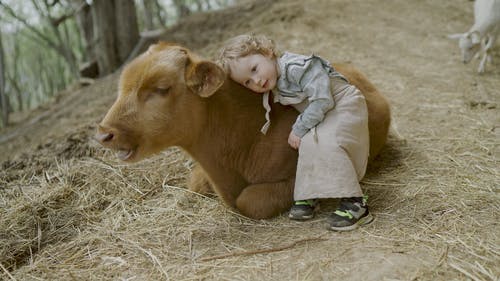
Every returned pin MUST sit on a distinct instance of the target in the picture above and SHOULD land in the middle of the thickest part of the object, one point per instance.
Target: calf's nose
(104, 135)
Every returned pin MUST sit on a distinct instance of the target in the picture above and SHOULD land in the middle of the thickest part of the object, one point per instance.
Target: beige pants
(332, 163)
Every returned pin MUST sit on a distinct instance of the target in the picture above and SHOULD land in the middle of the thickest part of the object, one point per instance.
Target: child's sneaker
(303, 209)
(352, 213)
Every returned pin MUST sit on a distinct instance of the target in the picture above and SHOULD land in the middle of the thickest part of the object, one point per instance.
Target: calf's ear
(204, 78)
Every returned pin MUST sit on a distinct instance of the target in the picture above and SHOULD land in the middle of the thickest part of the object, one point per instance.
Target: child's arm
(315, 83)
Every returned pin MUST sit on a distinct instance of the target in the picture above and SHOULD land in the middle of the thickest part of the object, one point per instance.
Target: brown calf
(168, 96)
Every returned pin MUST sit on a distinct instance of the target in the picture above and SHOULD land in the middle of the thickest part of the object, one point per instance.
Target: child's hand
(294, 140)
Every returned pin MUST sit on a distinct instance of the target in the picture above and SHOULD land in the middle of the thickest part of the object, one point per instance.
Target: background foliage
(43, 46)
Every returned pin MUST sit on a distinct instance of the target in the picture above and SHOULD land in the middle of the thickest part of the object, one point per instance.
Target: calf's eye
(161, 91)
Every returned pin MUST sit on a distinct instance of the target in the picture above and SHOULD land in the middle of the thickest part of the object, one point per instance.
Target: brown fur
(218, 123)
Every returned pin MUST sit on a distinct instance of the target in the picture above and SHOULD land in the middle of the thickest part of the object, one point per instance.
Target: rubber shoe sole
(362, 221)
(304, 217)
(301, 218)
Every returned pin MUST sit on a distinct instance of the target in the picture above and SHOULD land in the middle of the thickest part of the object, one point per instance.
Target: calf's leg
(266, 200)
(198, 181)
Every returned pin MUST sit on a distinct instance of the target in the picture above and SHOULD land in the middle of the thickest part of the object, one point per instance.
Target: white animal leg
(491, 44)
(486, 57)
(480, 69)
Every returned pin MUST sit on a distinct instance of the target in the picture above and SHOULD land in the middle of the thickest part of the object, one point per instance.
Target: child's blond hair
(245, 45)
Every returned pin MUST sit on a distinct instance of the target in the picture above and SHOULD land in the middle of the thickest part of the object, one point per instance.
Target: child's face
(256, 72)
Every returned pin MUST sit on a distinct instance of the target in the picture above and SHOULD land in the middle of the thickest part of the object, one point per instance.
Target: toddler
(331, 132)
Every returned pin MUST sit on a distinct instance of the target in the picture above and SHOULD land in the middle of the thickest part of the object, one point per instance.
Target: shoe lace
(346, 206)
(309, 202)
(346, 214)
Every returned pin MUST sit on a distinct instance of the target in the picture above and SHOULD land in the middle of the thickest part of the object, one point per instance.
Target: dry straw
(70, 211)
(92, 217)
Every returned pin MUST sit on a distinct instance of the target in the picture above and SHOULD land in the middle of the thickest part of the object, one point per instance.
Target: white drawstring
(265, 103)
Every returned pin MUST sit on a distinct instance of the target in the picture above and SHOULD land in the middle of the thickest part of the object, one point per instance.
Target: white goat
(483, 34)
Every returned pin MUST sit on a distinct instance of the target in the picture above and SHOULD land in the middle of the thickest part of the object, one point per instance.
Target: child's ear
(266, 53)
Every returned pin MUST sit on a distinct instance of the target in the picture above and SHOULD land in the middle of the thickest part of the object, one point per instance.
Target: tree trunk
(209, 6)
(69, 53)
(160, 14)
(127, 29)
(182, 9)
(60, 44)
(148, 13)
(199, 6)
(12, 76)
(116, 32)
(3, 95)
(85, 25)
(103, 16)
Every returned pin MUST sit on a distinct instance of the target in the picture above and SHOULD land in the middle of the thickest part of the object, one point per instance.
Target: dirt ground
(70, 210)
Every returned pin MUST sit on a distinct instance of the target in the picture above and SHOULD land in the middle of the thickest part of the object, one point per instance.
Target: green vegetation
(44, 44)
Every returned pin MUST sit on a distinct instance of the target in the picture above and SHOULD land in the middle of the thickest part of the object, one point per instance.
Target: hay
(70, 211)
